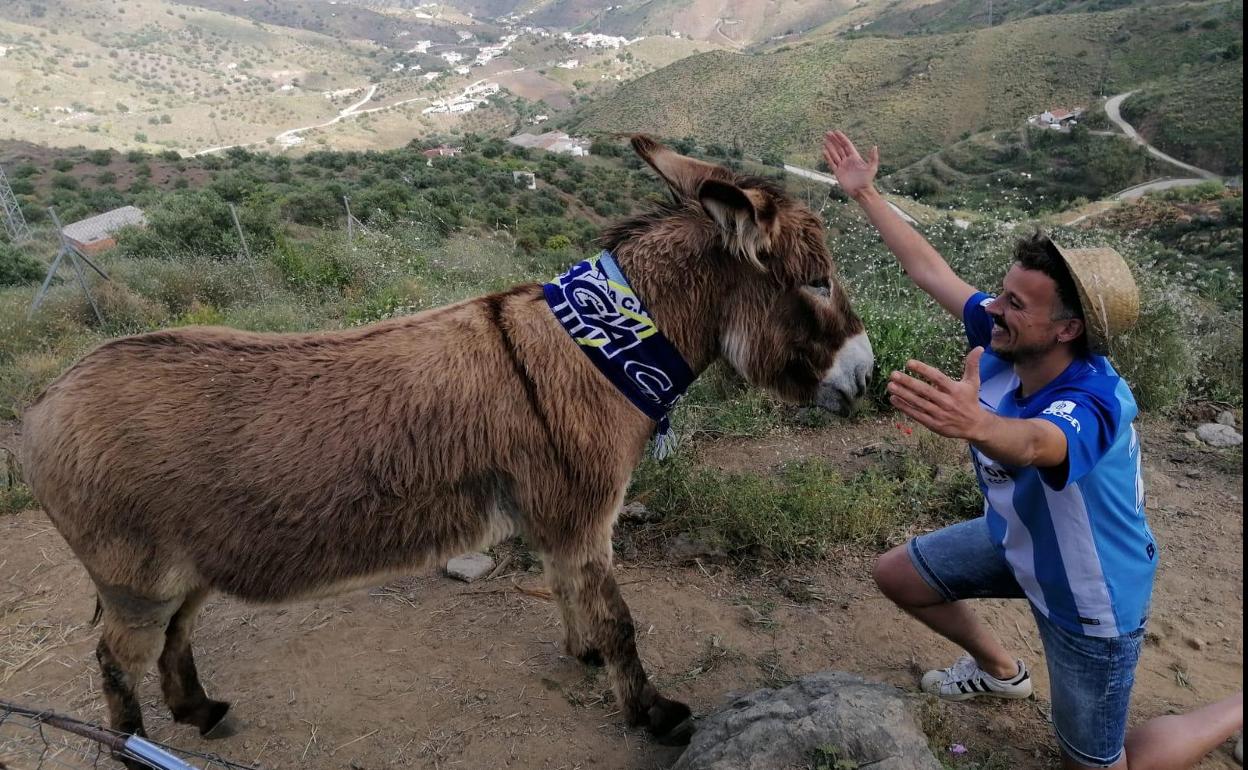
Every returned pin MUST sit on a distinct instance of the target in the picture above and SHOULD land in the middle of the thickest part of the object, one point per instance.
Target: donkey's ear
(683, 175)
(744, 218)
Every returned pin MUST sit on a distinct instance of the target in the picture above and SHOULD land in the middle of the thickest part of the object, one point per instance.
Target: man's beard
(1023, 353)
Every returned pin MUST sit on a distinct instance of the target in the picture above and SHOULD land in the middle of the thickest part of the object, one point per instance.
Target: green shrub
(18, 267)
(1157, 358)
(198, 223)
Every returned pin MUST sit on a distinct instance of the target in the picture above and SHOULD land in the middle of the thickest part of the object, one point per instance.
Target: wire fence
(34, 739)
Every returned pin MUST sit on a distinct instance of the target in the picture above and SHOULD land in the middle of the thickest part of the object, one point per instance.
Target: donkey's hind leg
(132, 638)
(179, 679)
(607, 625)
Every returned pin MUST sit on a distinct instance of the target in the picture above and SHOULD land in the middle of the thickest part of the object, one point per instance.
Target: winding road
(1113, 112)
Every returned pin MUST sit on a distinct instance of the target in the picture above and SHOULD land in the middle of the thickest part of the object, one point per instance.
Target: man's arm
(922, 263)
(951, 408)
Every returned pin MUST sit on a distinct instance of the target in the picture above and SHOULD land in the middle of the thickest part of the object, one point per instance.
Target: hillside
(150, 72)
(1028, 171)
(916, 94)
(925, 18)
(395, 28)
(1197, 115)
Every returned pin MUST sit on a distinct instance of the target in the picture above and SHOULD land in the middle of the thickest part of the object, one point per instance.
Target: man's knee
(897, 578)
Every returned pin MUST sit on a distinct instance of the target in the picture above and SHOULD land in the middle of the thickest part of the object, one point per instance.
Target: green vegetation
(1025, 172)
(1197, 115)
(804, 508)
(17, 266)
(914, 95)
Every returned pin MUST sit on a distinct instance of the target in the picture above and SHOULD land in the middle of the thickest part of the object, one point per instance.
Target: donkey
(275, 467)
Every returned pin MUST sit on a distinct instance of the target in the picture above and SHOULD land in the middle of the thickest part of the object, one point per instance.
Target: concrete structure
(97, 234)
(527, 178)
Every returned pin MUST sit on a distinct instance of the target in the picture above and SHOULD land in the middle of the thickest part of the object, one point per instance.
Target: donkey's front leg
(576, 642)
(606, 625)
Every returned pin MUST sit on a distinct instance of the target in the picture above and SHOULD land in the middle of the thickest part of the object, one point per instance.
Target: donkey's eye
(821, 286)
(820, 283)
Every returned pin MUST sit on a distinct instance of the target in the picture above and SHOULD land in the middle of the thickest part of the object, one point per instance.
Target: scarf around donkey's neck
(597, 307)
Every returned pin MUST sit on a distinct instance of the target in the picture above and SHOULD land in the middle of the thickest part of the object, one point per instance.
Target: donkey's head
(756, 263)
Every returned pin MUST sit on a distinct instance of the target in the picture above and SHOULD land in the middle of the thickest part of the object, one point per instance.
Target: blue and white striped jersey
(1075, 535)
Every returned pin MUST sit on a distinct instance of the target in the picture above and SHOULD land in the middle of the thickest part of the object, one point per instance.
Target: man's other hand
(939, 403)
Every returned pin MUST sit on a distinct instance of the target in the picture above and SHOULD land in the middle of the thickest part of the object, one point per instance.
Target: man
(1049, 423)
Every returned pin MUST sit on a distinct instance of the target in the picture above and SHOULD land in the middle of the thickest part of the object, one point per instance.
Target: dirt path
(428, 673)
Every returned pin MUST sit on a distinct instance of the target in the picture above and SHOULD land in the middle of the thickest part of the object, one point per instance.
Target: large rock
(1217, 434)
(829, 713)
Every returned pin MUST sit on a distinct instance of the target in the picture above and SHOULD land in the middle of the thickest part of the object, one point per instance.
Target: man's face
(1023, 315)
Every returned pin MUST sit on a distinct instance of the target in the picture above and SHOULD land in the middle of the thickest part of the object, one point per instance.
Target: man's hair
(1037, 252)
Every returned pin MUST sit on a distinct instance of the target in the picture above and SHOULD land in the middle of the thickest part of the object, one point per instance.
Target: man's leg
(899, 580)
(1177, 741)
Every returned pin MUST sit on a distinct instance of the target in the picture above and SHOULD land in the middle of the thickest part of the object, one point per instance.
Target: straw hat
(1107, 292)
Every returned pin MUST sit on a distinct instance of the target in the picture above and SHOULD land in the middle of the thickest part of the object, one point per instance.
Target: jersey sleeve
(977, 321)
(1090, 423)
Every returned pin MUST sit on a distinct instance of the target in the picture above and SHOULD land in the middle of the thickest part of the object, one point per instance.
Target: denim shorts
(1090, 678)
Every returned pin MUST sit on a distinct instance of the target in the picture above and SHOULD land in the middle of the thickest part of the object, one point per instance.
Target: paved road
(1112, 111)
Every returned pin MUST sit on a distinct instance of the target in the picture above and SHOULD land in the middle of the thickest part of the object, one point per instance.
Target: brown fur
(273, 467)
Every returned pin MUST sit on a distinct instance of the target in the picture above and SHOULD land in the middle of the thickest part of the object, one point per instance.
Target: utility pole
(14, 221)
(352, 222)
(239, 229)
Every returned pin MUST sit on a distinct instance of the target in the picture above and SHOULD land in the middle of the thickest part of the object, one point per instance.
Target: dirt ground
(431, 673)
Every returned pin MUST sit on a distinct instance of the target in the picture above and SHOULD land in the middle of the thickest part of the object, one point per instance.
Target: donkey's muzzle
(846, 381)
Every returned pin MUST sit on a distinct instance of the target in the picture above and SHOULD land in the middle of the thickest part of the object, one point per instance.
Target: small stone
(469, 567)
(1191, 438)
(638, 513)
(263, 723)
(1193, 473)
(1218, 435)
(1196, 643)
(1226, 418)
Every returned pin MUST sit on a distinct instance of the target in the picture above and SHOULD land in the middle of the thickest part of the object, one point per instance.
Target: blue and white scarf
(598, 309)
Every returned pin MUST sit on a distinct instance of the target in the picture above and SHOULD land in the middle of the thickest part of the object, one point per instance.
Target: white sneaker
(965, 680)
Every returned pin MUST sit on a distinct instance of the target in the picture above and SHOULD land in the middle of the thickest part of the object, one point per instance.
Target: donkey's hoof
(218, 724)
(671, 722)
(208, 717)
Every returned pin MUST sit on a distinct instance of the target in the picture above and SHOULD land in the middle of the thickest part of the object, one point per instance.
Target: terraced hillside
(916, 94)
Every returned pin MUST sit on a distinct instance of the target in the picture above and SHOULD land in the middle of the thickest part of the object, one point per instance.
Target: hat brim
(1107, 292)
